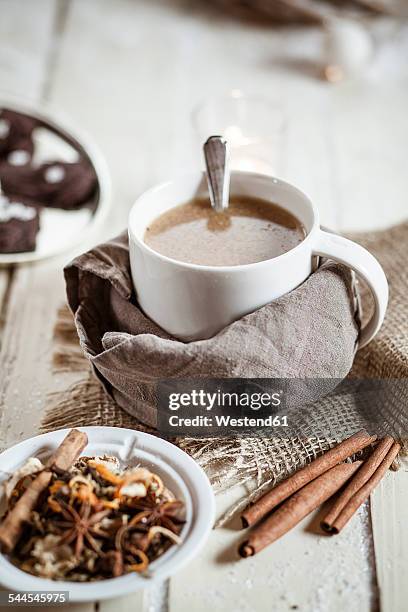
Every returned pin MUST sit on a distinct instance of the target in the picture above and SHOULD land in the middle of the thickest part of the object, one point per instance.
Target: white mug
(194, 302)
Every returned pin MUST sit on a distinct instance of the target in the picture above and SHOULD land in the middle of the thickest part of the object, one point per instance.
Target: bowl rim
(199, 176)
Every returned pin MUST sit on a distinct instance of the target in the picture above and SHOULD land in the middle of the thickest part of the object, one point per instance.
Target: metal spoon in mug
(216, 153)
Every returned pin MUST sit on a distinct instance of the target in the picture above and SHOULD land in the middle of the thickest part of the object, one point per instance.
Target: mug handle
(366, 266)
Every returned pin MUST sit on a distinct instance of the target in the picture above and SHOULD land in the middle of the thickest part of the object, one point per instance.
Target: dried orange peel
(82, 489)
(142, 565)
(56, 486)
(140, 476)
(105, 472)
(53, 504)
(113, 504)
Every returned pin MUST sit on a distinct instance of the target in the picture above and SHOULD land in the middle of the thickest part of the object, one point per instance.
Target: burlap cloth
(311, 332)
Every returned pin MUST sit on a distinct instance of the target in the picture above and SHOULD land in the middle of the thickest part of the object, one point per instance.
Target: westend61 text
(228, 421)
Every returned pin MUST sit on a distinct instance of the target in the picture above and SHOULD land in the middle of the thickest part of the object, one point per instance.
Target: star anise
(164, 513)
(80, 527)
(167, 514)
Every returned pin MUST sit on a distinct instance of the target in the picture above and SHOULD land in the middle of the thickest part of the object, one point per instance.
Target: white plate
(61, 230)
(179, 472)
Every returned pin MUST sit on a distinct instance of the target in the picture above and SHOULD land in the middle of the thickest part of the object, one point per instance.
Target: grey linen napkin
(308, 333)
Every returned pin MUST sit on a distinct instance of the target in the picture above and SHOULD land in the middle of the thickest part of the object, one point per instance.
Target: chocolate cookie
(16, 144)
(19, 225)
(54, 184)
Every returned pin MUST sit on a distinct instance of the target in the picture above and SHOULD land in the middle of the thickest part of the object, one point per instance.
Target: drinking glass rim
(237, 94)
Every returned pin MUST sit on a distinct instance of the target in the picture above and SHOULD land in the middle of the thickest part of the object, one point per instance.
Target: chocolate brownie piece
(19, 225)
(16, 143)
(54, 184)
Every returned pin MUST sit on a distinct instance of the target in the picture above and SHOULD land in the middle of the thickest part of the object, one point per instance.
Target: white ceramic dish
(61, 230)
(178, 471)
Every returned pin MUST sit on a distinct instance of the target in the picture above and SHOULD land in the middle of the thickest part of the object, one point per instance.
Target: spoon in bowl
(216, 153)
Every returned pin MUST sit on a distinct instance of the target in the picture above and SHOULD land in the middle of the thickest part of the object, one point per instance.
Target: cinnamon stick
(293, 510)
(65, 455)
(12, 526)
(355, 484)
(68, 451)
(285, 489)
(336, 525)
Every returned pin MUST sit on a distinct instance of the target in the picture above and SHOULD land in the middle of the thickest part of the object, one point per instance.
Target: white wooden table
(129, 73)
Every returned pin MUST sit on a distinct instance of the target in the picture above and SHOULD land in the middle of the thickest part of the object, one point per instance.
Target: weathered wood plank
(25, 38)
(389, 504)
(301, 571)
(4, 283)
(73, 607)
(123, 604)
(26, 349)
(369, 134)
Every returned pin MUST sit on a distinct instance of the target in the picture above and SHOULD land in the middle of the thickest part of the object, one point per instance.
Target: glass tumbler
(254, 127)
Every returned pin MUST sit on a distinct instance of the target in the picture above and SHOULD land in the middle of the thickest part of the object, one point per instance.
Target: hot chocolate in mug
(194, 302)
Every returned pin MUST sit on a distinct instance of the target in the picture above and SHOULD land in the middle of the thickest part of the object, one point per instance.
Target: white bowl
(179, 472)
